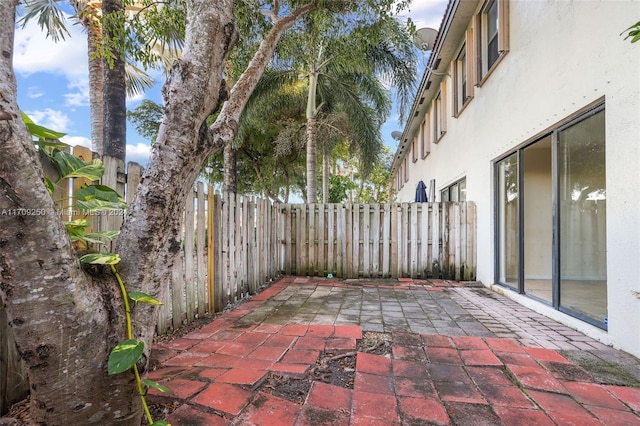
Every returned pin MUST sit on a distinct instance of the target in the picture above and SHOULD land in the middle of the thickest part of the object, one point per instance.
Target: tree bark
(325, 175)
(312, 192)
(230, 183)
(90, 17)
(115, 96)
(66, 322)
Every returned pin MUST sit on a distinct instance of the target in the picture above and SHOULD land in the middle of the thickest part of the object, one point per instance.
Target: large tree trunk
(115, 96)
(312, 192)
(66, 322)
(230, 183)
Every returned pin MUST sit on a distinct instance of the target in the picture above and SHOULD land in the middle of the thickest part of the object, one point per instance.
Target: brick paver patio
(460, 355)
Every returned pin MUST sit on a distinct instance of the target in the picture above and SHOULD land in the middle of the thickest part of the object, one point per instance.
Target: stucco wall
(563, 56)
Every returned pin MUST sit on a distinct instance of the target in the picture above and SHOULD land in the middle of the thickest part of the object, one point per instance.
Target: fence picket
(414, 215)
(200, 257)
(375, 241)
(189, 259)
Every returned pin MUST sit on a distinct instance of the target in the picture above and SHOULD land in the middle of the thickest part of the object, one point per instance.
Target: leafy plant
(633, 32)
(91, 199)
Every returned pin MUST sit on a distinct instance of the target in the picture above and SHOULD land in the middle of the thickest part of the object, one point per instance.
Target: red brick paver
(218, 374)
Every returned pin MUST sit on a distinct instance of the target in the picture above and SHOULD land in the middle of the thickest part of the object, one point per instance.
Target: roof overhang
(451, 33)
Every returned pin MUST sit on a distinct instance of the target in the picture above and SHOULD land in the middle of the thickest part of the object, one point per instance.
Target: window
(455, 192)
(425, 140)
(440, 114)
(406, 169)
(493, 35)
(463, 74)
(415, 146)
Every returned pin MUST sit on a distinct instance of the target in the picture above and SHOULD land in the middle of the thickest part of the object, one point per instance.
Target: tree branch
(224, 128)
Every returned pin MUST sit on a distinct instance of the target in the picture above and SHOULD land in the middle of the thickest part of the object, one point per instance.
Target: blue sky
(53, 81)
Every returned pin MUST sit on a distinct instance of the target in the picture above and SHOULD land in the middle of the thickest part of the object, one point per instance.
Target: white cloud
(133, 100)
(426, 13)
(77, 140)
(51, 118)
(79, 97)
(34, 92)
(34, 52)
(139, 153)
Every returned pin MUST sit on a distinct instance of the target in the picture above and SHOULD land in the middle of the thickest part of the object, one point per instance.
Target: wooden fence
(234, 245)
(417, 240)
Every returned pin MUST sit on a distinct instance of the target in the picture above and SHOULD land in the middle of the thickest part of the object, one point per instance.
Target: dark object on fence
(421, 193)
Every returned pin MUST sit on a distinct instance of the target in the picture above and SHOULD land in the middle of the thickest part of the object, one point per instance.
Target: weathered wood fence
(234, 245)
(417, 240)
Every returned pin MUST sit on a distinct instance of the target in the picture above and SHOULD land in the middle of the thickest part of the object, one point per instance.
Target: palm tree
(89, 13)
(341, 75)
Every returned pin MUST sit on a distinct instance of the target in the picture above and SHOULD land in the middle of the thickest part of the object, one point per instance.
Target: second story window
(493, 35)
(439, 110)
(425, 140)
(463, 77)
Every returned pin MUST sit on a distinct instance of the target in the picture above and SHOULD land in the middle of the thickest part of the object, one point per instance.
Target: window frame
(463, 74)
(415, 146)
(425, 139)
(481, 24)
(458, 185)
(553, 132)
(439, 109)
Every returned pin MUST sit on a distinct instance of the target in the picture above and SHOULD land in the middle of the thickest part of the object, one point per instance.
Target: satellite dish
(396, 135)
(427, 37)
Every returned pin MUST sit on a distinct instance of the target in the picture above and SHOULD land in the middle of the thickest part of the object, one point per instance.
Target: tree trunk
(115, 96)
(66, 322)
(287, 186)
(312, 192)
(325, 175)
(90, 17)
(13, 386)
(230, 183)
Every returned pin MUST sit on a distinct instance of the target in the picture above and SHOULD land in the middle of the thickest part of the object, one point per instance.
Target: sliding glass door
(508, 221)
(537, 219)
(551, 219)
(583, 210)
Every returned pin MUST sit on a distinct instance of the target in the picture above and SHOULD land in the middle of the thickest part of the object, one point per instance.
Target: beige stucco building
(531, 109)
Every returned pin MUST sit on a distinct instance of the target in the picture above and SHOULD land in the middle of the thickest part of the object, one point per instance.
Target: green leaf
(99, 192)
(77, 224)
(124, 356)
(100, 258)
(50, 143)
(94, 205)
(160, 423)
(40, 132)
(69, 166)
(76, 229)
(138, 296)
(51, 187)
(109, 235)
(157, 386)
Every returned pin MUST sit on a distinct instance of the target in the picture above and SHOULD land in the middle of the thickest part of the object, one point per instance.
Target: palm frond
(137, 80)
(50, 16)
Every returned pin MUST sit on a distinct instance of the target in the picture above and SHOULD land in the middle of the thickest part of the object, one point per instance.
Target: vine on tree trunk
(91, 199)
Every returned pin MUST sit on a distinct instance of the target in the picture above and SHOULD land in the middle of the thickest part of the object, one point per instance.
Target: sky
(53, 81)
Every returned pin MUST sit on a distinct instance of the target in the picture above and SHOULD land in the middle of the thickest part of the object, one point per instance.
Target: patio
(311, 351)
